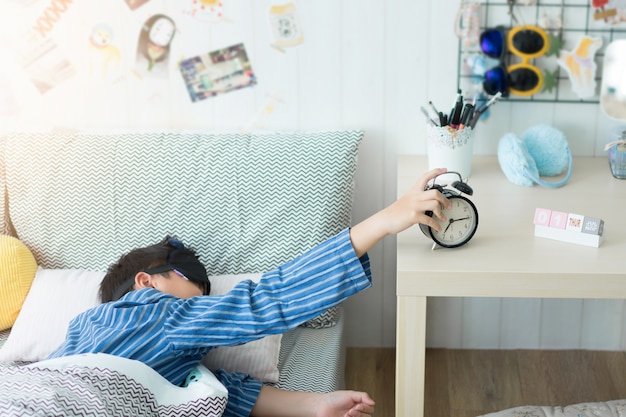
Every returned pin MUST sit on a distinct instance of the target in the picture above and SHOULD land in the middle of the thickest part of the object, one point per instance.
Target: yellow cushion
(17, 271)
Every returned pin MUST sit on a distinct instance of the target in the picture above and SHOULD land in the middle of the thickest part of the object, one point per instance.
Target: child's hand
(408, 210)
(411, 208)
(344, 404)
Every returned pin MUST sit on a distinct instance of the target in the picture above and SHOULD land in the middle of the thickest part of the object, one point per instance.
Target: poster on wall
(285, 26)
(611, 12)
(217, 72)
(133, 4)
(208, 11)
(104, 56)
(43, 62)
(153, 47)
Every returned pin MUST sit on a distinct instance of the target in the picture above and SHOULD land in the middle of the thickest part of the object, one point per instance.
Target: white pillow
(258, 358)
(55, 298)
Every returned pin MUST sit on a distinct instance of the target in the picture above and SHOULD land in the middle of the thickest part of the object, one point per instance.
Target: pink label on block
(542, 216)
(558, 220)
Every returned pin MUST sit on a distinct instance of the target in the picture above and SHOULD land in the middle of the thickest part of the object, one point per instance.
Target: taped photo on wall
(217, 72)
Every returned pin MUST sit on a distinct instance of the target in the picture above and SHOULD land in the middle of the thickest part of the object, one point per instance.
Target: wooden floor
(470, 383)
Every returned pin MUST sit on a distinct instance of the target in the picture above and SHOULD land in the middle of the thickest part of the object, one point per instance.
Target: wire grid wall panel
(564, 21)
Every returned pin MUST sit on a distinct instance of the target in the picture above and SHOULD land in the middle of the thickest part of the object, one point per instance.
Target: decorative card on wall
(103, 55)
(580, 65)
(285, 26)
(153, 47)
(210, 11)
(50, 17)
(133, 4)
(43, 61)
(611, 12)
(217, 72)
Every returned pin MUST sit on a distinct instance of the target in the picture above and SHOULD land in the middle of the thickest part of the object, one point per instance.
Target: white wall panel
(601, 324)
(444, 321)
(578, 122)
(481, 323)
(362, 106)
(561, 323)
(320, 66)
(520, 327)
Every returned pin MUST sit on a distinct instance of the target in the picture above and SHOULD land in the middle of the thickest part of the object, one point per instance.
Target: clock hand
(456, 220)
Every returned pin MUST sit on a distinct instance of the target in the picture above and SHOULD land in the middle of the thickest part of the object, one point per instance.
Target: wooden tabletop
(504, 258)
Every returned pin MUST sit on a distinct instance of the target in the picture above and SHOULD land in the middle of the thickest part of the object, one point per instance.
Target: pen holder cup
(450, 148)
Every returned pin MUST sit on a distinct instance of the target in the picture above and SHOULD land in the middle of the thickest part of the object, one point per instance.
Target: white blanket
(105, 385)
(615, 408)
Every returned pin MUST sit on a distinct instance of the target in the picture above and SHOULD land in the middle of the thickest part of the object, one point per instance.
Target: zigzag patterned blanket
(92, 391)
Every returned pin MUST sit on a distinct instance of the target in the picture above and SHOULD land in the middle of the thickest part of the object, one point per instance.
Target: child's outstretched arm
(408, 210)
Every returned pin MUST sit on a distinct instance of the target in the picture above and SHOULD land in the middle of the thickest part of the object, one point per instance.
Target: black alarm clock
(462, 217)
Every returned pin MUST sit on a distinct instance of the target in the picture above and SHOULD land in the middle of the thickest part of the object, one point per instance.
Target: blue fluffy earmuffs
(542, 151)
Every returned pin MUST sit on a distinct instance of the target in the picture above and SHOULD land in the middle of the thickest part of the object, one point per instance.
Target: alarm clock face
(461, 225)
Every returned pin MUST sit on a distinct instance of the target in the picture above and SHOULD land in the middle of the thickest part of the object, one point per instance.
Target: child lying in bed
(156, 309)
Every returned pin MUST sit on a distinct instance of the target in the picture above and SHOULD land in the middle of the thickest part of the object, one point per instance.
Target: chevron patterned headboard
(246, 202)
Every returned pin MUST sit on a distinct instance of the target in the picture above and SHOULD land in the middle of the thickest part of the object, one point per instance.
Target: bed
(73, 202)
(616, 408)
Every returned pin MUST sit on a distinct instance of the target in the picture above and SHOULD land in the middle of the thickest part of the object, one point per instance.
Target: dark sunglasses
(522, 79)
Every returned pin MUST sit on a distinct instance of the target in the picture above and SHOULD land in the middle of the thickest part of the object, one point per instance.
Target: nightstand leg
(410, 356)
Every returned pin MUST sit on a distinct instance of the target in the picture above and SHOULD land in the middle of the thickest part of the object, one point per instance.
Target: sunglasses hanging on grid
(525, 42)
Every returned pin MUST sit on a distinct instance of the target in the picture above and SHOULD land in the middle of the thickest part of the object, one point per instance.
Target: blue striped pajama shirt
(172, 335)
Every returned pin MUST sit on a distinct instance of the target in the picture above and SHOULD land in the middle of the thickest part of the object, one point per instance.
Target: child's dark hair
(130, 264)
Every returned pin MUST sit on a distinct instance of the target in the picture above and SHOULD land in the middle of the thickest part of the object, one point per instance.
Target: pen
(480, 111)
(428, 116)
(455, 113)
(442, 119)
(466, 116)
(493, 100)
(455, 116)
(438, 113)
(432, 106)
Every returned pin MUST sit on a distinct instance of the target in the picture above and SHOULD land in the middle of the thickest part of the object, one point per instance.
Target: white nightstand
(505, 259)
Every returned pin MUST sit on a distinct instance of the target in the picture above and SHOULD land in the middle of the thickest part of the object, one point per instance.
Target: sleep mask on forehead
(185, 263)
(182, 261)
